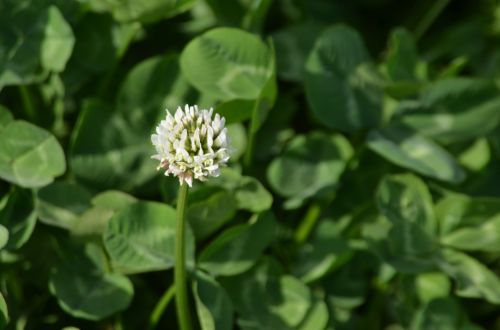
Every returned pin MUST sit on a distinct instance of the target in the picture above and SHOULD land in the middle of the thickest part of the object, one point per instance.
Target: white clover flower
(191, 144)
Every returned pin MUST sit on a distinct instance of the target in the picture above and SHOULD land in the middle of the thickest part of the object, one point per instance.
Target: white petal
(210, 137)
(191, 144)
(220, 141)
(179, 115)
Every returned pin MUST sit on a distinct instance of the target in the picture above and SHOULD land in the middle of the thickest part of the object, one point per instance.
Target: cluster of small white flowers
(191, 144)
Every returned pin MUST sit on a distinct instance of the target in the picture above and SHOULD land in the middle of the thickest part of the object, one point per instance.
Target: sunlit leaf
(477, 156)
(473, 279)
(483, 237)
(457, 212)
(141, 238)
(457, 109)
(4, 236)
(249, 193)
(29, 155)
(431, 286)
(227, 63)
(5, 117)
(58, 42)
(406, 148)
(317, 317)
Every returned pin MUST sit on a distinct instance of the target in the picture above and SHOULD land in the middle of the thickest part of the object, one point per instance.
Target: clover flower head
(190, 144)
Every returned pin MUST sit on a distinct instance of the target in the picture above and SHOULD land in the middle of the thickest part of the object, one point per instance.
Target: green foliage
(362, 190)
(84, 288)
(4, 316)
(214, 308)
(18, 217)
(60, 203)
(140, 238)
(142, 11)
(208, 215)
(4, 236)
(111, 142)
(236, 249)
(36, 40)
(30, 156)
(336, 71)
(240, 63)
(472, 277)
(455, 109)
(310, 164)
(266, 298)
(409, 149)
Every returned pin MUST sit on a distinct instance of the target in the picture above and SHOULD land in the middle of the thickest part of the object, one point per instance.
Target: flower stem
(248, 157)
(118, 325)
(27, 101)
(181, 300)
(430, 16)
(308, 223)
(160, 307)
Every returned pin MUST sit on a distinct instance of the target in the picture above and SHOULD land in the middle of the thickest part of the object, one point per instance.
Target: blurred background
(363, 191)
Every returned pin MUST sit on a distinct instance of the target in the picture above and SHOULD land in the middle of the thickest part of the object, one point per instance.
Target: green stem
(308, 223)
(248, 158)
(107, 79)
(437, 7)
(107, 260)
(181, 300)
(118, 323)
(160, 307)
(256, 15)
(27, 102)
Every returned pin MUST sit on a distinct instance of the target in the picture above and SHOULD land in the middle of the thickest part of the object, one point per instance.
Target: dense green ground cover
(363, 191)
